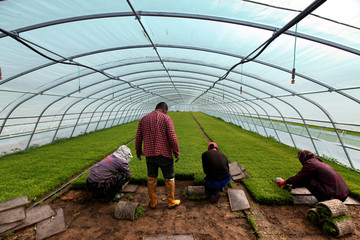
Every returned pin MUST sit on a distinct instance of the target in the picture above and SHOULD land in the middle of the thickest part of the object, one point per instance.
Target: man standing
(323, 181)
(107, 178)
(216, 167)
(156, 130)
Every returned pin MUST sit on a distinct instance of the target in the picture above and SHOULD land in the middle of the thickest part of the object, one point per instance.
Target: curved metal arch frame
(329, 88)
(185, 15)
(328, 116)
(332, 122)
(317, 105)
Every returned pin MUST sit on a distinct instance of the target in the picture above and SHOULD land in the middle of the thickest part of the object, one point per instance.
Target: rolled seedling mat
(331, 208)
(339, 226)
(125, 210)
(313, 216)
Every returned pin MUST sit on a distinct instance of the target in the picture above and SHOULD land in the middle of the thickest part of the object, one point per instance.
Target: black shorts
(166, 165)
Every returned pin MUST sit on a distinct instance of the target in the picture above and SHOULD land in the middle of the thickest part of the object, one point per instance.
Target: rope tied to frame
(242, 65)
(79, 78)
(293, 69)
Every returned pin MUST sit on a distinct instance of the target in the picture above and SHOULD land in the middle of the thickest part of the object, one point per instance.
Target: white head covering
(123, 152)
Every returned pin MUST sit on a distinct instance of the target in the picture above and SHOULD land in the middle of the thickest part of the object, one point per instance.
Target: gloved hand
(280, 184)
(138, 154)
(177, 157)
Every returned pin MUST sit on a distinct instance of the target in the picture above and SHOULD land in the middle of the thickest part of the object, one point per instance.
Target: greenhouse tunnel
(287, 70)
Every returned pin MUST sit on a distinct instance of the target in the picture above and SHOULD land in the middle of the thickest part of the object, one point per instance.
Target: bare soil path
(87, 218)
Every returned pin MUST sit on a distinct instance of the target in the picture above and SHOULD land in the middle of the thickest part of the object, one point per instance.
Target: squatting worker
(107, 178)
(216, 168)
(156, 130)
(323, 181)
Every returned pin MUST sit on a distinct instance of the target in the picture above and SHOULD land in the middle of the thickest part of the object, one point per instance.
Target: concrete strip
(238, 200)
(51, 226)
(196, 190)
(36, 215)
(14, 203)
(305, 200)
(170, 237)
(9, 226)
(351, 201)
(12, 215)
(130, 188)
(300, 191)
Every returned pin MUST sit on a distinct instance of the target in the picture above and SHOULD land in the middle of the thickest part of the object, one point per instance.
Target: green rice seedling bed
(264, 159)
(192, 144)
(37, 171)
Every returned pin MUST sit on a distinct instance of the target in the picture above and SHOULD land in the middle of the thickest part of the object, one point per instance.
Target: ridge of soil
(88, 218)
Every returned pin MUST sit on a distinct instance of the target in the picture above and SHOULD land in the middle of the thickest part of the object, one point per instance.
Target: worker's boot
(170, 190)
(152, 181)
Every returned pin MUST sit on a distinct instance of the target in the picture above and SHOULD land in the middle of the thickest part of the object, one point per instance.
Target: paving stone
(170, 237)
(351, 201)
(37, 214)
(9, 226)
(300, 191)
(51, 226)
(14, 203)
(12, 215)
(305, 200)
(237, 172)
(125, 210)
(238, 200)
(196, 190)
(130, 188)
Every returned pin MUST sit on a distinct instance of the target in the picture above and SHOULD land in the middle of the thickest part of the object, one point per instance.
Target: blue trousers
(213, 188)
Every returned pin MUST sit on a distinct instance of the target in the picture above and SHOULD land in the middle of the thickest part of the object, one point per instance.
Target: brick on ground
(238, 200)
(237, 172)
(300, 191)
(51, 226)
(351, 201)
(304, 196)
(9, 226)
(130, 188)
(12, 215)
(304, 200)
(170, 237)
(14, 203)
(37, 214)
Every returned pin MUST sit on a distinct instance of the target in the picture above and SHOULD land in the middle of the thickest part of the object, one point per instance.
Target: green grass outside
(39, 170)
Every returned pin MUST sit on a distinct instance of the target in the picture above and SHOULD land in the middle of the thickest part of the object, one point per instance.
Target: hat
(304, 155)
(123, 152)
(212, 145)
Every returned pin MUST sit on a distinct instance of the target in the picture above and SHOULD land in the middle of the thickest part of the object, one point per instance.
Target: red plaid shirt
(157, 131)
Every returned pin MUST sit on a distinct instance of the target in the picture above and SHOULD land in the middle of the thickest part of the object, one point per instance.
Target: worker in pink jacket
(323, 181)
